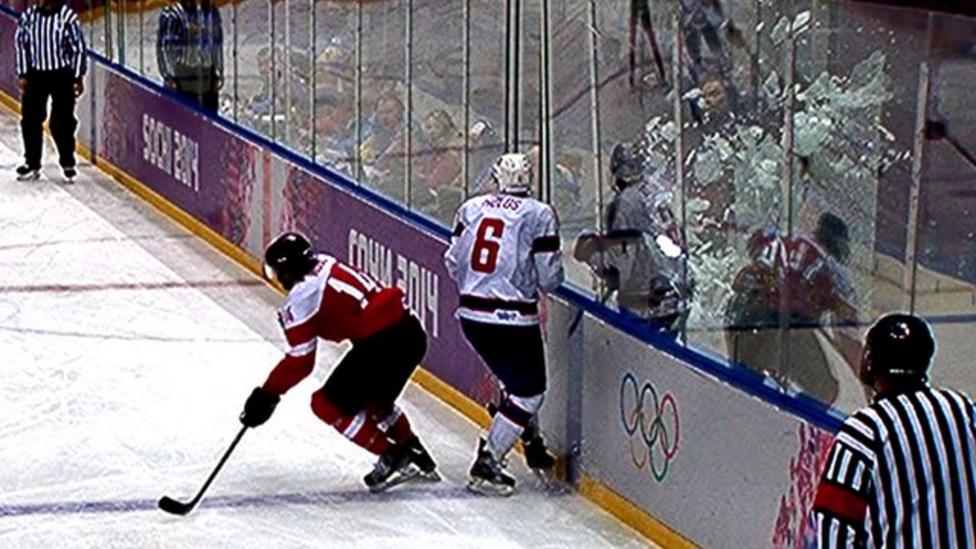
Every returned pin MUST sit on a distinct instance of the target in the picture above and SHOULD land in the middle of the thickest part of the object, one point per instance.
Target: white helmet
(513, 173)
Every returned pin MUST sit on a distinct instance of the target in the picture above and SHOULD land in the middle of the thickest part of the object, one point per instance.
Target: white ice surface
(123, 367)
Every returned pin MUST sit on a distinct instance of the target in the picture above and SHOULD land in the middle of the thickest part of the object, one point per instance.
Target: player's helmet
(513, 173)
(898, 345)
(627, 165)
(288, 259)
(833, 235)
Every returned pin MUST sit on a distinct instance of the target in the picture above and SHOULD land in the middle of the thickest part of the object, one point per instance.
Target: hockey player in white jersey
(503, 253)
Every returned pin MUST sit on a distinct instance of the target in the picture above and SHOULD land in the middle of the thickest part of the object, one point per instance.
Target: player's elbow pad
(289, 372)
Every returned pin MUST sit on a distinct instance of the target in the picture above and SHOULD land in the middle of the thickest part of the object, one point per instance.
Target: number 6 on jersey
(484, 253)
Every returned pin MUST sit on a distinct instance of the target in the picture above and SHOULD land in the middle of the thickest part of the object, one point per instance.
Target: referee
(51, 63)
(901, 471)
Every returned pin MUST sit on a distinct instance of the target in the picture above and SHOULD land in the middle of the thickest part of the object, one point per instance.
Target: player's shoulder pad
(471, 205)
(304, 300)
(475, 201)
(546, 209)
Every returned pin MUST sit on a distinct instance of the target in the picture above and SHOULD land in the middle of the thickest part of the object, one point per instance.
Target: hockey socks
(513, 416)
(361, 428)
(396, 425)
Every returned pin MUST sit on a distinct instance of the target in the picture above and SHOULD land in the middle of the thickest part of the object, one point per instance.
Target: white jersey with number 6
(505, 250)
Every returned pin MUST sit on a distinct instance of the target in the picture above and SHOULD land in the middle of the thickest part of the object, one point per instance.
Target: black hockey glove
(259, 407)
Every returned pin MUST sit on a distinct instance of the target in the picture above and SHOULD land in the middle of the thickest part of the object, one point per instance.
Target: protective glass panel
(335, 102)
(945, 273)
(733, 172)
(437, 74)
(486, 92)
(384, 117)
(573, 181)
(255, 65)
(637, 205)
(293, 28)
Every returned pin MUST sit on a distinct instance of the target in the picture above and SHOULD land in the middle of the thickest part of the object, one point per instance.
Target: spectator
(51, 62)
(703, 19)
(565, 188)
(383, 134)
(719, 192)
(334, 87)
(797, 280)
(436, 179)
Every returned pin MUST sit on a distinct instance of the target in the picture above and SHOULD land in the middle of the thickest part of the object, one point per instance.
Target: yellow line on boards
(452, 397)
(631, 515)
(601, 495)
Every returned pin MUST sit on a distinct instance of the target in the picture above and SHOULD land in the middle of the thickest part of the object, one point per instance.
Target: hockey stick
(579, 314)
(174, 507)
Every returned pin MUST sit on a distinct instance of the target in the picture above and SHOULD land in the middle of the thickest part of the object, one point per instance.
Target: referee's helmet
(900, 345)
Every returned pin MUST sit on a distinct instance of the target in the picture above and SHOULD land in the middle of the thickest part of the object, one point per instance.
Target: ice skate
(421, 458)
(26, 173)
(392, 468)
(488, 476)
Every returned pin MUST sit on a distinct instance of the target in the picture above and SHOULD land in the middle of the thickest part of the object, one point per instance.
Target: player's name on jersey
(503, 202)
(172, 152)
(420, 285)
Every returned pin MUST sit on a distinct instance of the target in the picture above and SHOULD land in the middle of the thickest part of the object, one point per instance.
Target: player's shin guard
(513, 416)
(361, 428)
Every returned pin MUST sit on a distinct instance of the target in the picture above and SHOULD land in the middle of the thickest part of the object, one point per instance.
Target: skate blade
(432, 476)
(486, 488)
(400, 477)
(549, 483)
(33, 176)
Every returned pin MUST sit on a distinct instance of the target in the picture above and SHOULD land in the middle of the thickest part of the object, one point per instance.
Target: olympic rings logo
(656, 419)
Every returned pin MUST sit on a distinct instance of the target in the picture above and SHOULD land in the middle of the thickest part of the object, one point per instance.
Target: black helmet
(288, 258)
(898, 345)
(833, 235)
(627, 165)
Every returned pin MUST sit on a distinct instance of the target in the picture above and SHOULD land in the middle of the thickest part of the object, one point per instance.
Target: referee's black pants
(59, 86)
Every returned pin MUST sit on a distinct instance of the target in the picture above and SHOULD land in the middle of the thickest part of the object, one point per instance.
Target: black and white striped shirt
(902, 474)
(50, 41)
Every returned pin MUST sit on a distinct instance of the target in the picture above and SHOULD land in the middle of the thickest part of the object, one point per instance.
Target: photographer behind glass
(641, 256)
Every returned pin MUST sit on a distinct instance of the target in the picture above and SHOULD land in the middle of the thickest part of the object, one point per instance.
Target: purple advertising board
(242, 190)
(8, 63)
(192, 162)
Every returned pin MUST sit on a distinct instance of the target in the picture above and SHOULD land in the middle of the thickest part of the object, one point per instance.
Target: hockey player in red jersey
(799, 280)
(504, 251)
(330, 300)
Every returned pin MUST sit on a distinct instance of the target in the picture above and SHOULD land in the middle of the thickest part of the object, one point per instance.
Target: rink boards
(673, 451)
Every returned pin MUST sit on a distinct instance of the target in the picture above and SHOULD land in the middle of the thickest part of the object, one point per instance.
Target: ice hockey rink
(128, 348)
